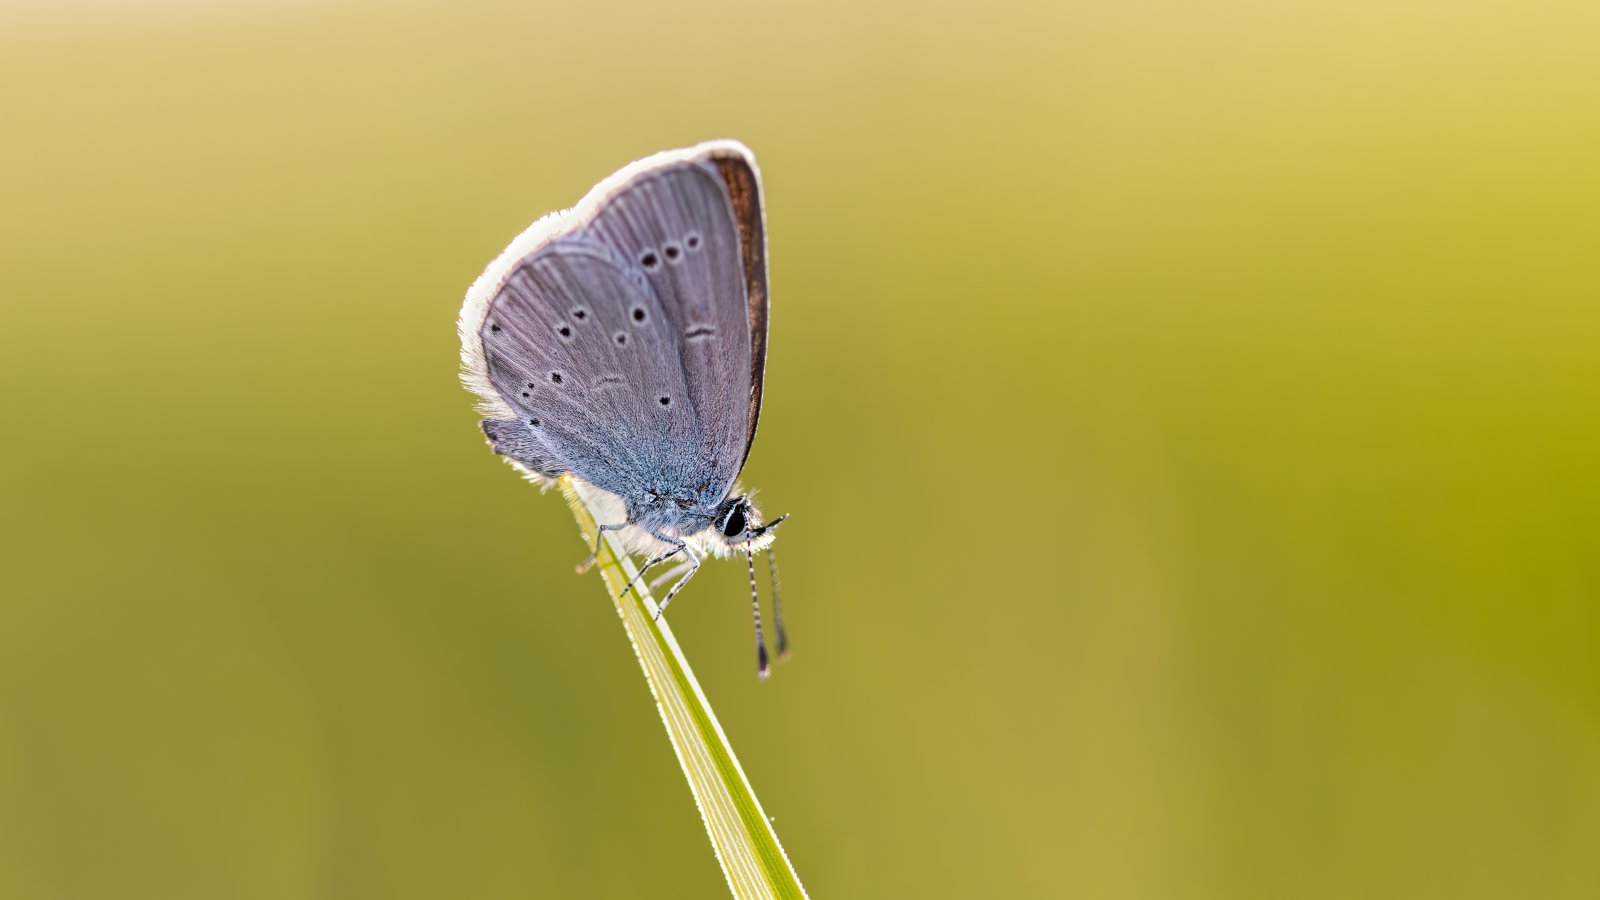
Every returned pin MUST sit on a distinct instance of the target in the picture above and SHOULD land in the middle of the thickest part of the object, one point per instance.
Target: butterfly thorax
(731, 525)
(675, 515)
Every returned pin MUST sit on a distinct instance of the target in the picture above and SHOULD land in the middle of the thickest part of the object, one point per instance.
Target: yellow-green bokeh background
(1188, 413)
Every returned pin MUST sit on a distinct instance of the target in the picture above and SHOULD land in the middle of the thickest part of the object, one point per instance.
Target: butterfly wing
(703, 255)
(593, 391)
(625, 341)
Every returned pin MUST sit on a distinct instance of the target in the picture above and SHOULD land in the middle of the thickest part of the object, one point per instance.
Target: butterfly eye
(733, 525)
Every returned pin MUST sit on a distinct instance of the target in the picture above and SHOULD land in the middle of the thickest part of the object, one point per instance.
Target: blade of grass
(742, 838)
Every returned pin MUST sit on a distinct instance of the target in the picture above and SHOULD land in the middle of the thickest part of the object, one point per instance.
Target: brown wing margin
(744, 189)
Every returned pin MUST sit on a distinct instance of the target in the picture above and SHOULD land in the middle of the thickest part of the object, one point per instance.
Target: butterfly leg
(677, 547)
(599, 535)
(694, 566)
(674, 572)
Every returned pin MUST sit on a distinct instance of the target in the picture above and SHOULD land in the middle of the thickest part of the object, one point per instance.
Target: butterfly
(623, 342)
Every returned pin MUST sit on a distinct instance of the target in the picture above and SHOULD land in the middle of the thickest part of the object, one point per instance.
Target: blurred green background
(1188, 413)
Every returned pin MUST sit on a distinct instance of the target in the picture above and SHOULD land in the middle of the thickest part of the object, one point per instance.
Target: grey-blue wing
(630, 346)
(678, 225)
(575, 344)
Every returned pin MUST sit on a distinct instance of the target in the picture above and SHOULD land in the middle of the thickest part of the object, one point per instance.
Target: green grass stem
(742, 838)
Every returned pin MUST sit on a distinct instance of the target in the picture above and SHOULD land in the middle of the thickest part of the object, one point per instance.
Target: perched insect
(623, 343)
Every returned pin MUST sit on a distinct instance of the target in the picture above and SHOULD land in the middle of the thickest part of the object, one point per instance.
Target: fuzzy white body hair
(608, 507)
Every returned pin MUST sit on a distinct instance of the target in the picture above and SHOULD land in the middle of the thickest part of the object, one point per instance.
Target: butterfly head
(738, 524)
